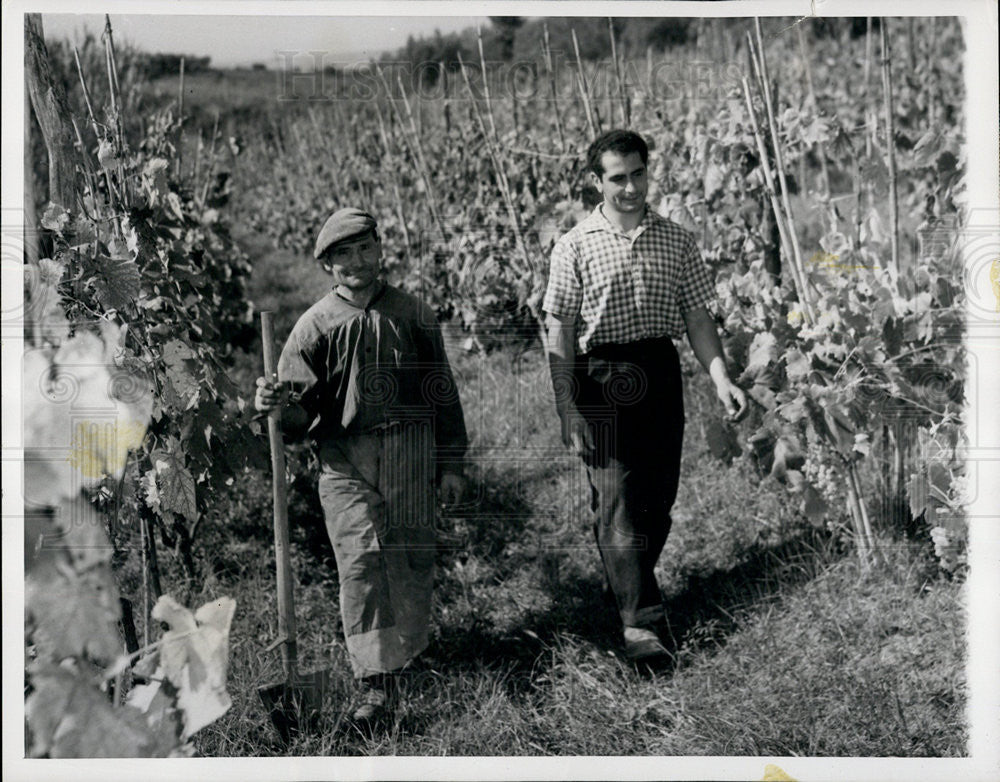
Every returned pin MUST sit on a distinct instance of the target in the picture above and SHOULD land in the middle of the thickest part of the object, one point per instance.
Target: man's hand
(733, 399)
(452, 488)
(270, 394)
(577, 434)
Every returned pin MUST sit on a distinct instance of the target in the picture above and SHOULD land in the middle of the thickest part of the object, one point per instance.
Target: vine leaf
(813, 506)
(163, 720)
(762, 351)
(55, 218)
(170, 487)
(797, 365)
(176, 354)
(70, 718)
(722, 441)
(72, 613)
(115, 279)
(788, 457)
(193, 657)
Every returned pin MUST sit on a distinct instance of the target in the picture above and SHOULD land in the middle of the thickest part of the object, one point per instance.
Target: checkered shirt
(623, 289)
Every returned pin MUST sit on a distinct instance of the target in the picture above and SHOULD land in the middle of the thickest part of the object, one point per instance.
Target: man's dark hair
(624, 142)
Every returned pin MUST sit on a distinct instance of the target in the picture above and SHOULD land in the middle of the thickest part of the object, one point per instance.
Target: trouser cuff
(644, 617)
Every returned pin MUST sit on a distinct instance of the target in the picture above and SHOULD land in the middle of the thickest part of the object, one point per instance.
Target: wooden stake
(622, 96)
(592, 125)
(818, 148)
(486, 82)
(778, 157)
(890, 145)
(870, 128)
(502, 181)
(180, 123)
(550, 70)
(51, 108)
(417, 152)
(393, 178)
(783, 230)
(114, 196)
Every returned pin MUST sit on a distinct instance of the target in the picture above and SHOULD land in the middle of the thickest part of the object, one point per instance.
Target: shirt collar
(597, 221)
(379, 292)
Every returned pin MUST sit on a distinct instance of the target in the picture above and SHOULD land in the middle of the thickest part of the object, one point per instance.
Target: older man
(623, 284)
(364, 374)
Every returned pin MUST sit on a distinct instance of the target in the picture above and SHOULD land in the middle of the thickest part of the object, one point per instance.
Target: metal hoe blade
(295, 706)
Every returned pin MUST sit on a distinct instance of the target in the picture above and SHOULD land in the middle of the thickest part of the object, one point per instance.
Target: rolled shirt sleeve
(696, 289)
(297, 366)
(564, 294)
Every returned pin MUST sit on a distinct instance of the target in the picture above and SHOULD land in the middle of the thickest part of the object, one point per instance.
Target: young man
(364, 375)
(622, 284)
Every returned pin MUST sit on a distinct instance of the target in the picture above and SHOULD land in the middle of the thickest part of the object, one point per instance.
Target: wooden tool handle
(286, 604)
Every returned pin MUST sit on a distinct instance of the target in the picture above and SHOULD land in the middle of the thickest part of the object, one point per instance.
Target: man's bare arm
(707, 349)
(560, 346)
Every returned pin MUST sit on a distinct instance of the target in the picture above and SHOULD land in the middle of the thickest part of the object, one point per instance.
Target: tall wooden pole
(48, 99)
(890, 143)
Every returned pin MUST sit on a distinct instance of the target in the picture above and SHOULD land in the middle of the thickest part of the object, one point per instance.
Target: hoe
(294, 704)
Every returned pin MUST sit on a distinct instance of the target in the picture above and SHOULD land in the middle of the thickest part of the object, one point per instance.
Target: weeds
(783, 646)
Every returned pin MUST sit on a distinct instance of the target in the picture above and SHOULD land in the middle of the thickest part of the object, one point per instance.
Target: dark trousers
(632, 398)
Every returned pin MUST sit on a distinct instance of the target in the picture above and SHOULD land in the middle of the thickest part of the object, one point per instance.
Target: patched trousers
(632, 398)
(378, 496)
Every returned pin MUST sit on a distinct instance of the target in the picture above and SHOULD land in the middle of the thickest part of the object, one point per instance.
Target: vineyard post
(180, 122)
(870, 120)
(114, 90)
(817, 147)
(498, 167)
(443, 76)
(211, 159)
(30, 218)
(783, 230)
(854, 505)
(778, 157)
(415, 151)
(489, 104)
(101, 137)
(199, 147)
(890, 144)
(581, 82)
(48, 99)
(622, 96)
(911, 44)
(422, 161)
(550, 71)
(397, 198)
(649, 70)
(486, 81)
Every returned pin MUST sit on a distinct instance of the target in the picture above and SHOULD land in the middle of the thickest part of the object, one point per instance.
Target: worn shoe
(642, 643)
(375, 704)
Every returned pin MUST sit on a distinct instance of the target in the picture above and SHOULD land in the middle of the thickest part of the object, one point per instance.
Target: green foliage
(76, 671)
(821, 389)
(166, 267)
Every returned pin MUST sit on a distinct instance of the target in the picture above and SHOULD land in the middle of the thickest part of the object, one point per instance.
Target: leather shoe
(641, 643)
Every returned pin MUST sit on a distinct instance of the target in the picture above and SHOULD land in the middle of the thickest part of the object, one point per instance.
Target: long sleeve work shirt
(356, 369)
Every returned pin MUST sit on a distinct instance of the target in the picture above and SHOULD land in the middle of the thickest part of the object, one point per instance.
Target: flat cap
(342, 224)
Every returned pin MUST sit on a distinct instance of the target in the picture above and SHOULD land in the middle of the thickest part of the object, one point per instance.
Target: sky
(243, 40)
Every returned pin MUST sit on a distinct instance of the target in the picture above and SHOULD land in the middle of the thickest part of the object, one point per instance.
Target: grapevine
(124, 382)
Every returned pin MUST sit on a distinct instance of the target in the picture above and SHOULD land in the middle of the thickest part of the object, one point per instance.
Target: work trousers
(378, 495)
(631, 396)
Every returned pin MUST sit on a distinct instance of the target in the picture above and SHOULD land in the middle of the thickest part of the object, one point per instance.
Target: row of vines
(825, 196)
(135, 299)
(813, 202)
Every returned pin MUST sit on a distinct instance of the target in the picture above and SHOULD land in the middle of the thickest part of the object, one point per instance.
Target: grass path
(784, 647)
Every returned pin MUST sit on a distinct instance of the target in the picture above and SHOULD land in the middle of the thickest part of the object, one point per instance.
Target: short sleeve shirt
(622, 289)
